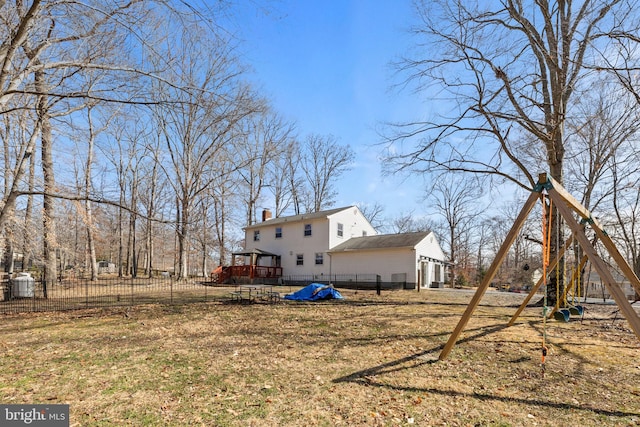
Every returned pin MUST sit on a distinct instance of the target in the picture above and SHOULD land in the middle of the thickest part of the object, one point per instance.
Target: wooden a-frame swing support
(566, 206)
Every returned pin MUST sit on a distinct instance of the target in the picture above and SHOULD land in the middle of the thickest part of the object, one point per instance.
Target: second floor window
(307, 230)
(278, 232)
(340, 230)
(256, 235)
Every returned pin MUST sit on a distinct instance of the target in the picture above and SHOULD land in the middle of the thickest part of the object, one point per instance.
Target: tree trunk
(48, 214)
(91, 247)
(149, 245)
(121, 236)
(132, 239)
(28, 218)
(183, 230)
(452, 258)
(555, 284)
(205, 226)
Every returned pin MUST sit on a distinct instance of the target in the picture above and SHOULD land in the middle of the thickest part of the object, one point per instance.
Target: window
(300, 259)
(340, 230)
(364, 233)
(256, 235)
(307, 230)
(319, 258)
(278, 232)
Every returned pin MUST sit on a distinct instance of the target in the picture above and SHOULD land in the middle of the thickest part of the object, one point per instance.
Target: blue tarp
(314, 292)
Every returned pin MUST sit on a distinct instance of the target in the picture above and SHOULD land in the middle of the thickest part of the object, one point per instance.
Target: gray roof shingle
(294, 218)
(382, 241)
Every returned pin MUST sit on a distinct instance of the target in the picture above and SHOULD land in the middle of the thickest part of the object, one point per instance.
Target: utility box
(23, 286)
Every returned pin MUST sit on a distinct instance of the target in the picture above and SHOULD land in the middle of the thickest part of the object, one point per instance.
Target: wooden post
(497, 262)
(602, 235)
(564, 203)
(622, 263)
(600, 266)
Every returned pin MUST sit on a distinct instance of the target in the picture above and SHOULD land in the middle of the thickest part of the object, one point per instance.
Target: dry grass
(366, 361)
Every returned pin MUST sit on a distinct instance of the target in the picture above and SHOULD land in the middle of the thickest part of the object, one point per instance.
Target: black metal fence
(347, 281)
(24, 295)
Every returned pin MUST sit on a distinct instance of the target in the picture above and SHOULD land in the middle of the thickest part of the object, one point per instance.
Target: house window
(319, 258)
(300, 259)
(307, 230)
(340, 230)
(256, 235)
(364, 233)
(278, 232)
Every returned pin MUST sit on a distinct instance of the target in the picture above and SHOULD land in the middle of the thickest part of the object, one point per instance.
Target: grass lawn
(366, 361)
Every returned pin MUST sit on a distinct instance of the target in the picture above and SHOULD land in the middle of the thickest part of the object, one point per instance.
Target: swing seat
(577, 310)
(562, 315)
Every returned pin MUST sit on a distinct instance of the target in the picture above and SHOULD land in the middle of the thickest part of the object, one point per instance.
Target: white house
(342, 242)
(401, 259)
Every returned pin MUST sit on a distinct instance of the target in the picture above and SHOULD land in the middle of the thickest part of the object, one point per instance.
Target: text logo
(34, 415)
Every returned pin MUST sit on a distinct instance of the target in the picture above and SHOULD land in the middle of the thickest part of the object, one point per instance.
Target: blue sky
(325, 65)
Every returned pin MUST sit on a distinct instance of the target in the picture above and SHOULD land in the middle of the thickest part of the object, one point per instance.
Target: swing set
(551, 192)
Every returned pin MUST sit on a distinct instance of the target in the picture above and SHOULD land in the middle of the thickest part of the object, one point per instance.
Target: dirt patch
(368, 360)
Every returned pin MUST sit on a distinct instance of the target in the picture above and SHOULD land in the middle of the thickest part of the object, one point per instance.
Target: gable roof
(297, 218)
(382, 241)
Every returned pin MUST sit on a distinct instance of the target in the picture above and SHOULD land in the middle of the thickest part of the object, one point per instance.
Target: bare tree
(373, 214)
(456, 201)
(284, 179)
(265, 140)
(509, 72)
(222, 194)
(625, 204)
(151, 196)
(604, 127)
(323, 161)
(18, 157)
(204, 120)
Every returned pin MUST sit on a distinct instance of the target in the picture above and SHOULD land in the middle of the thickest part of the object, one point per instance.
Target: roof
(297, 218)
(255, 251)
(382, 241)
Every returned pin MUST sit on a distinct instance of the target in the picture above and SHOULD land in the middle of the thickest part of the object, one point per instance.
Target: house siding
(293, 241)
(385, 262)
(395, 264)
(354, 224)
(429, 247)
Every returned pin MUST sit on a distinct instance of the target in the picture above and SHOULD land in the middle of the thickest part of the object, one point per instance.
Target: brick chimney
(266, 214)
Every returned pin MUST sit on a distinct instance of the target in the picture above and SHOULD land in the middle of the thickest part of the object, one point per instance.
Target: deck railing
(246, 272)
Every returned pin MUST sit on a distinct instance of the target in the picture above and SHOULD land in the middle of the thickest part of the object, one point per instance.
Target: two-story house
(342, 242)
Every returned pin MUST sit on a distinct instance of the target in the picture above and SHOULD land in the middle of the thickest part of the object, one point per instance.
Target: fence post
(378, 284)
